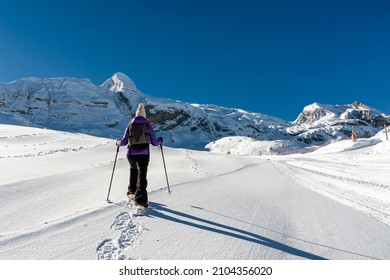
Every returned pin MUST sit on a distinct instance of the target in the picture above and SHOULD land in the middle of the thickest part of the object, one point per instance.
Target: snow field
(54, 186)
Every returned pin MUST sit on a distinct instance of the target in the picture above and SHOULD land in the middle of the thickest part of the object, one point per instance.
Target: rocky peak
(313, 113)
(119, 82)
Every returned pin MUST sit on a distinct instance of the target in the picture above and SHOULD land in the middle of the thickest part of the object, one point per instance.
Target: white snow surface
(329, 204)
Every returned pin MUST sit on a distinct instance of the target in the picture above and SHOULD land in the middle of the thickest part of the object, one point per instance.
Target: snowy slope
(54, 185)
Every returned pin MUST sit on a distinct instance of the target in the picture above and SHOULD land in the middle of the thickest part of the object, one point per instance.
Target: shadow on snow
(160, 211)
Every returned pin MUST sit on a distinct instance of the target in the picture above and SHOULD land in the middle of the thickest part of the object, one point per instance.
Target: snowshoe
(141, 209)
(131, 196)
(131, 199)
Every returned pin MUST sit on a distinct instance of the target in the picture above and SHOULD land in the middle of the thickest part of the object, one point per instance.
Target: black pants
(138, 172)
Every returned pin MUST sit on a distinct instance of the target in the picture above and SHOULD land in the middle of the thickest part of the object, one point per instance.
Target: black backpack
(139, 137)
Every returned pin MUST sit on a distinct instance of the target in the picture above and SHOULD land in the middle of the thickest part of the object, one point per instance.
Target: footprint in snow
(111, 249)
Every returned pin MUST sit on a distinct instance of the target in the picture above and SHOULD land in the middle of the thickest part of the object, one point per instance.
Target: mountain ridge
(78, 105)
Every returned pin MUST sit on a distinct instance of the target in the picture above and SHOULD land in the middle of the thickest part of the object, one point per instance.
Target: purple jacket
(125, 139)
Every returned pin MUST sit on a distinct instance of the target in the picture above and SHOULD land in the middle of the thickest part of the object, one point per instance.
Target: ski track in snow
(51, 147)
(342, 182)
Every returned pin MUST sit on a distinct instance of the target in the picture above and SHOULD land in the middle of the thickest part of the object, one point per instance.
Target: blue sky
(271, 57)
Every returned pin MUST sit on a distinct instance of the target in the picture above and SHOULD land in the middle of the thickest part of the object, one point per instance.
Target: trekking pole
(165, 168)
(112, 175)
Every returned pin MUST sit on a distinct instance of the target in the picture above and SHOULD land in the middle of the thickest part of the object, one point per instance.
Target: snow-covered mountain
(78, 105)
(339, 120)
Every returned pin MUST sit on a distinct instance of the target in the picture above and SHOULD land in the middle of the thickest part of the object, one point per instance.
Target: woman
(138, 155)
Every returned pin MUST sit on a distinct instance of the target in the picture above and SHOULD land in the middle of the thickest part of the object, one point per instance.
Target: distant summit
(320, 112)
(78, 105)
(119, 82)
